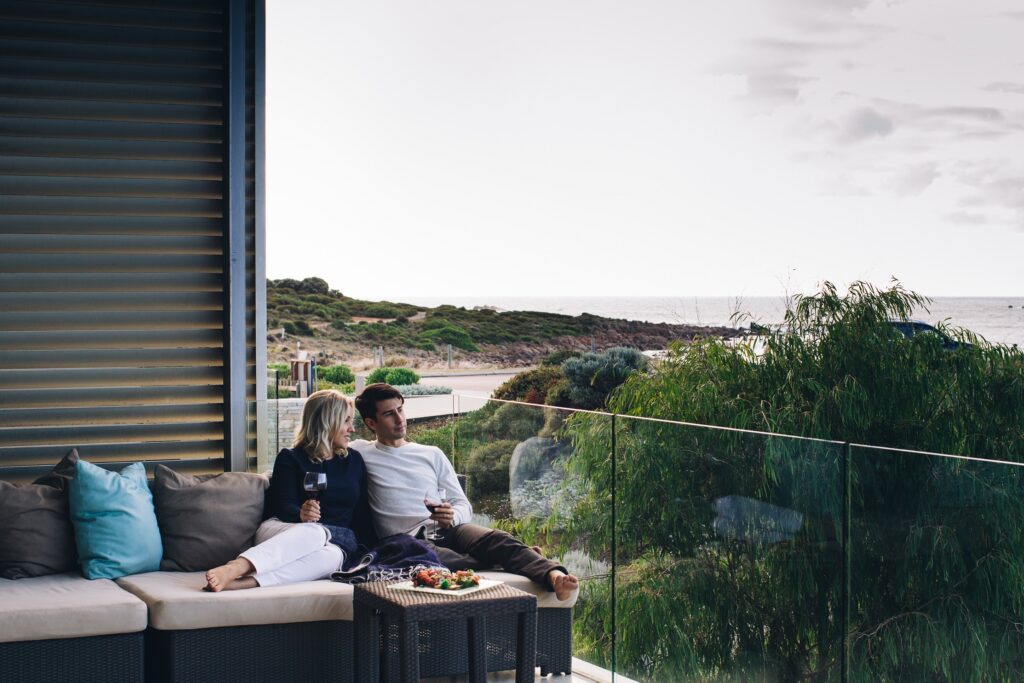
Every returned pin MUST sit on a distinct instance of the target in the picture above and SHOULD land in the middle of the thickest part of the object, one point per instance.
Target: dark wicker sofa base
(95, 659)
(315, 650)
(324, 650)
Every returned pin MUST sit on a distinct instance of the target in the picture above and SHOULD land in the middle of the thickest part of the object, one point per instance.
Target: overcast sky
(645, 147)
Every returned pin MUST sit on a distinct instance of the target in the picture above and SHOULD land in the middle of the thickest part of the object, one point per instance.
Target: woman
(307, 539)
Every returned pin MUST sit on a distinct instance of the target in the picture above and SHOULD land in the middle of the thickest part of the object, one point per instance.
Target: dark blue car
(912, 328)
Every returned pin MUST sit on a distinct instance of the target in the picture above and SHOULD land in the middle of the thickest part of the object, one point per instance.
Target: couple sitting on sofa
(385, 480)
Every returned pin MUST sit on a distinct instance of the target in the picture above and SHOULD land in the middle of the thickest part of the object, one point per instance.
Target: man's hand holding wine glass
(444, 515)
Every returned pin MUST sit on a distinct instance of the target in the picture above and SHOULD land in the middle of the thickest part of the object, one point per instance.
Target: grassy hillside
(324, 318)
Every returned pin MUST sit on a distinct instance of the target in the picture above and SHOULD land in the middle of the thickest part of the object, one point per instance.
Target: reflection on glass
(729, 559)
(937, 554)
(518, 462)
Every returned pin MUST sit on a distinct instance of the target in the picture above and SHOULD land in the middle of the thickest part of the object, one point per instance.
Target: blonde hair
(323, 415)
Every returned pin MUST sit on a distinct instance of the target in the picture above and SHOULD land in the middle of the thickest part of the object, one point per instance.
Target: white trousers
(290, 553)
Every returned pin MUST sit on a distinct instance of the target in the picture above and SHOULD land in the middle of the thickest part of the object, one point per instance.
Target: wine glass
(432, 498)
(313, 483)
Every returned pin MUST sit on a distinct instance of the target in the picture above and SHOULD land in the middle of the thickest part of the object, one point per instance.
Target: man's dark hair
(371, 395)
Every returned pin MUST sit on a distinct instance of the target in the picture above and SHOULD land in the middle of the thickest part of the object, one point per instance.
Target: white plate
(461, 593)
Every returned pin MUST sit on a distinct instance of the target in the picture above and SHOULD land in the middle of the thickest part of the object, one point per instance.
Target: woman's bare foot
(239, 584)
(220, 578)
(563, 584)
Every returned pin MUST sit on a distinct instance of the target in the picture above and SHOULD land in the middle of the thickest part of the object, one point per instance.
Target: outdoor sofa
(161, 626)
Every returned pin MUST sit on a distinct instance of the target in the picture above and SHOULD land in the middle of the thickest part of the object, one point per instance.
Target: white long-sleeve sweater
(398, 478)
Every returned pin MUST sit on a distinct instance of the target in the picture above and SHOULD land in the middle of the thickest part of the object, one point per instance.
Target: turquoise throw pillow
(115, 524)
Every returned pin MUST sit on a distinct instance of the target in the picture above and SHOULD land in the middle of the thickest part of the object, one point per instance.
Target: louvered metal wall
(113, 228)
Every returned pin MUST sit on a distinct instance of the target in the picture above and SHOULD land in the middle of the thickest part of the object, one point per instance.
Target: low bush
(513, 421)
(336, 374)
(402, 376)
(377, 375)
(394, 376)
(592, 376)
(560, 356)
(433, 434)
(487, 467)
(298, 327)
(343, 387)
(450, 334)
(531, 386)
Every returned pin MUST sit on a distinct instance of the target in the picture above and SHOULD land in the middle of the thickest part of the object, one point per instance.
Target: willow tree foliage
(731, 545)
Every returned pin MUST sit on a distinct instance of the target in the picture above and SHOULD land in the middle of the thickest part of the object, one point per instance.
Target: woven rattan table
(377, 607)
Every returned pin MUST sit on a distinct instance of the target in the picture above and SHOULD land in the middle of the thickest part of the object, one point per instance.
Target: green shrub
(298, 327)
(450, 334)
(343, 387)
(559, 394)
(393, 376)
(487, 467)
(337, 374)
(440, 435)
(399, 376)
(531, 386)
(560, 356)
(592, 376)
(377, 375)
(513, 421)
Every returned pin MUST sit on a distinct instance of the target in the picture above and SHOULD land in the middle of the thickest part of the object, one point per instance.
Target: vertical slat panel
(115, 233)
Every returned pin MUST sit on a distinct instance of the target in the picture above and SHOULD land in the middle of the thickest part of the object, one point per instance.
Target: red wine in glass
(432, 500)
(313, 483)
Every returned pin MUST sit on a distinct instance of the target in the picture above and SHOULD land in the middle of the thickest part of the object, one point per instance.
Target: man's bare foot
(563, 584)
(537, 549)
(220, 578)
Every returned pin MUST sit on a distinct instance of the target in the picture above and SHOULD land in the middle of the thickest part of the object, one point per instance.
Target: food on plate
(445, 580)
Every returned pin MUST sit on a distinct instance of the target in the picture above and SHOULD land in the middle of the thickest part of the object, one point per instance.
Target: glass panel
(267, 426)
(519, 463)
(728, 553)
(937, 555)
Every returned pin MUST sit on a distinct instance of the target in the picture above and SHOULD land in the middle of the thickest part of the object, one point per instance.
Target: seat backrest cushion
(206, 520)
(36, 536)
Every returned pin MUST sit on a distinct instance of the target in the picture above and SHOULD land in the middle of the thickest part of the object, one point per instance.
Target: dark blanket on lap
(396, 557)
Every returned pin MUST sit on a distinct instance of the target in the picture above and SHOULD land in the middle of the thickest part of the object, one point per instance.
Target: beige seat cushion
(177, 601)
(545, 599)
(66, 606)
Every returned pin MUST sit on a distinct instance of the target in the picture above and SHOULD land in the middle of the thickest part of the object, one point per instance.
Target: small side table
(376, 606)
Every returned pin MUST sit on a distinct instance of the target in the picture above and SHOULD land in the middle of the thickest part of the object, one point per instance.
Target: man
(400, 472)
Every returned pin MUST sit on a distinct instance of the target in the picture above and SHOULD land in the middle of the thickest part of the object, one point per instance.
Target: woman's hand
(310, 511)
(444, 515)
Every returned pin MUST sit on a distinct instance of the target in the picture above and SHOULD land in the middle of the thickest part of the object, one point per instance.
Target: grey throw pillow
(36, 536)
(207, 520)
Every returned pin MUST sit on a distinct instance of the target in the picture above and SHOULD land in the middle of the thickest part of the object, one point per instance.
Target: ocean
(997, 319)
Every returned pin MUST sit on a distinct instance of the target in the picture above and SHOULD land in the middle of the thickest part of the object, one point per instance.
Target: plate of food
(444, 582)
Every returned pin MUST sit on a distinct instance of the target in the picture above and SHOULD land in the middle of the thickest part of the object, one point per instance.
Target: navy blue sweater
(343, 504)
